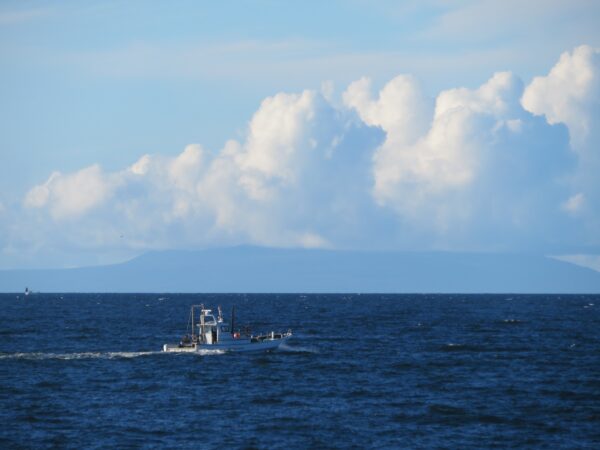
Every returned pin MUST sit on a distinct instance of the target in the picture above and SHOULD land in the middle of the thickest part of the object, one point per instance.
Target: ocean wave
(97, 355)
(78, 355)
(203, 352)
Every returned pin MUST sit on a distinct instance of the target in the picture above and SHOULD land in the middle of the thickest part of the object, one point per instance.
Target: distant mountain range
(257, 269)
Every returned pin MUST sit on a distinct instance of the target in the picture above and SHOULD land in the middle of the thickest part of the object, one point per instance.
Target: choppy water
(394, 371)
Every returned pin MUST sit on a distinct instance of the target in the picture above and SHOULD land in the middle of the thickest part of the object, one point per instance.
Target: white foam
(69, 356)
(209, 352)
(297, 349)
(199, 352)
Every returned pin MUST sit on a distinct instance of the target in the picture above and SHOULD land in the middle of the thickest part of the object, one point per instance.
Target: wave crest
(78, 355)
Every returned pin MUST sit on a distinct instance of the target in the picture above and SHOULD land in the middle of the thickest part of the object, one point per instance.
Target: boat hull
(241, 345)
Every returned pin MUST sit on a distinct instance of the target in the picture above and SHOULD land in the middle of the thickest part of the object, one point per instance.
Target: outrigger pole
(232, 319)
(202, 337)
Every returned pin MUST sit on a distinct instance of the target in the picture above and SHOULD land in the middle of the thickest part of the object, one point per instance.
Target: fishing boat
(213, 333)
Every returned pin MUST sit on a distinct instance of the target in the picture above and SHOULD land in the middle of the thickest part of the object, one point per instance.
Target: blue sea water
(362, 371)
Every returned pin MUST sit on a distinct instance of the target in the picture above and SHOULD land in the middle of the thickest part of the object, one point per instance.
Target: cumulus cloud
(471, 168)
(400, 109)
(569, 94)
(72, 195)
(185, 168)
(502, 166)
(276, 187)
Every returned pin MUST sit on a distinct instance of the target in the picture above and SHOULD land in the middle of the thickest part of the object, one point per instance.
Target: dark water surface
(393, 371)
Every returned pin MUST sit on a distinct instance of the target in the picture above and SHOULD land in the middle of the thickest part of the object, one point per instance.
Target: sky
(437, 125)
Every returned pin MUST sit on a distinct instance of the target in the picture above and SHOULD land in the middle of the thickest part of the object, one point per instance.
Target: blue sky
(126, 127)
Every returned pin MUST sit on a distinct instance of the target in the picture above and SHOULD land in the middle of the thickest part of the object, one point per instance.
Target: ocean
(362, 371)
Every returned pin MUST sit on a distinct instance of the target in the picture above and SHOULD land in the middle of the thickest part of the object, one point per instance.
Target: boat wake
(199, 352)
(69, 356)
(297, 349)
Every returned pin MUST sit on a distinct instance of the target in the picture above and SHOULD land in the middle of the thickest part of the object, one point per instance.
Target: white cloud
(574, 204)
(275, 188)
(436, 163)
(490, 19)
(15, 17)
(470, 169)
(279, 136)
(72, 195)
(495, 97)
(401, 109)
(569, 94)
(312, 240)
(38, 196)
(589, 261)
(141, 166)
(184, 170)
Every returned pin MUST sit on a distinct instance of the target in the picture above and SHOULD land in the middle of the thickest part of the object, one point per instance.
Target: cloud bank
(502, 167)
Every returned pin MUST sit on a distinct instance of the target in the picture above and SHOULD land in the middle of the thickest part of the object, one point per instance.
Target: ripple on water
(369, 371)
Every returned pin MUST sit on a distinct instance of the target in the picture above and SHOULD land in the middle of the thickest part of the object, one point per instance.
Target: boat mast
(232, 319)
(192, 316)
(202, 337)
